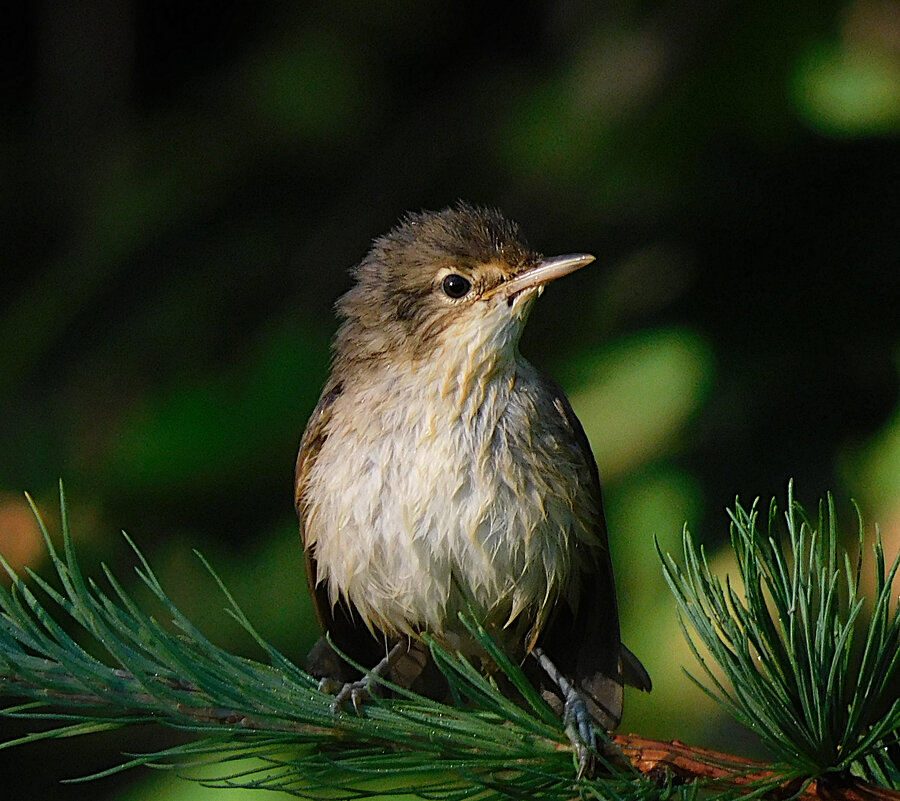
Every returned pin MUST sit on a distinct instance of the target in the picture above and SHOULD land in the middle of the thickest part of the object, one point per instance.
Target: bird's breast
(429, 496)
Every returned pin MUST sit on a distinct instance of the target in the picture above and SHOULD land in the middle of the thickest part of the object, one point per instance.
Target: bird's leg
(576, 719)
(363, 689)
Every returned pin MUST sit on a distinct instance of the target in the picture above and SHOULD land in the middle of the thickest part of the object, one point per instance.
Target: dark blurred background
(184, 185)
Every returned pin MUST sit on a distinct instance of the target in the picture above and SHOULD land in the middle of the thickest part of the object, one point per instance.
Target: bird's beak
(542, 273)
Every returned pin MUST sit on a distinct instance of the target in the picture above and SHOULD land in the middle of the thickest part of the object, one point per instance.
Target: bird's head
(461, 277)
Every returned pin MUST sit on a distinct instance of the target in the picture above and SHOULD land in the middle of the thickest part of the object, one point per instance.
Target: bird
(441, 473)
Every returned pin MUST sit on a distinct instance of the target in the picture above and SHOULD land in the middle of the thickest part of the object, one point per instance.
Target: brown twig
(662, 759)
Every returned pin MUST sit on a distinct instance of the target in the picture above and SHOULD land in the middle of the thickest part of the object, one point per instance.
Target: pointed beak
(542, 273)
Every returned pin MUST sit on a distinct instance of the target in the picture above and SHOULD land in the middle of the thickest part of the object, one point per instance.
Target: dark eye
(455, 286)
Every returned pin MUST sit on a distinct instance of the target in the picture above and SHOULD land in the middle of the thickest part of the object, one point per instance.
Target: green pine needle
(274, 714)
(808, 663)
(807, 667)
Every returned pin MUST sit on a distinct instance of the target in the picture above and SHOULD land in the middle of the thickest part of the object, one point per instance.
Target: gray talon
(577, 721)
(356, 692)
(330, 686)
(580, 731)
(364, 689)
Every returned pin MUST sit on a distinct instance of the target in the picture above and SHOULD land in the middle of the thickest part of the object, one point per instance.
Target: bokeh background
(183, 186)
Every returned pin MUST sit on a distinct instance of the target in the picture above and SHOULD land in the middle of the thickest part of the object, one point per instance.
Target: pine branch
(805, 671)
(237, 707)
(729, 773)
(487, 746)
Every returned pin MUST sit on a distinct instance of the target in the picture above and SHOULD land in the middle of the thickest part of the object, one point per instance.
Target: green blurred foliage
(638, 427)
(210, 431)
(184, 187)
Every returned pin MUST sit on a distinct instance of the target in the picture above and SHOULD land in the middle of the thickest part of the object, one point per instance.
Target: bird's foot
(577, 721)
(580, 730)
(364, 689)
(356, 692)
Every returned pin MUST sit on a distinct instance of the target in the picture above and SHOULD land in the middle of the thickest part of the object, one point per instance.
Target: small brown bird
(441, 472)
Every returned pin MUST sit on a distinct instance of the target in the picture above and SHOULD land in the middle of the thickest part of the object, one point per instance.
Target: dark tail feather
(634, 673)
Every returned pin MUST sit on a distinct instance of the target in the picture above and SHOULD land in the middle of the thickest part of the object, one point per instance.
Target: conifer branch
(802, 669)
(731, 774)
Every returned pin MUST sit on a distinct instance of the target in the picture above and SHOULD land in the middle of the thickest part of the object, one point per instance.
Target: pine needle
(813, 676)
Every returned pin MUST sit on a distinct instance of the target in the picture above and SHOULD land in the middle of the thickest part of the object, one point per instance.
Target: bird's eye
(455, 286)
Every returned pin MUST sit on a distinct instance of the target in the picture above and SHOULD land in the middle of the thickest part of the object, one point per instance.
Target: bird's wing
(345, 630)
(585, 643)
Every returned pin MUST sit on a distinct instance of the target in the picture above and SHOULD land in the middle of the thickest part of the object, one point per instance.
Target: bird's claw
(577, 721)
(591, 751)
(356, 692)
(581, 732)
(364, 689)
